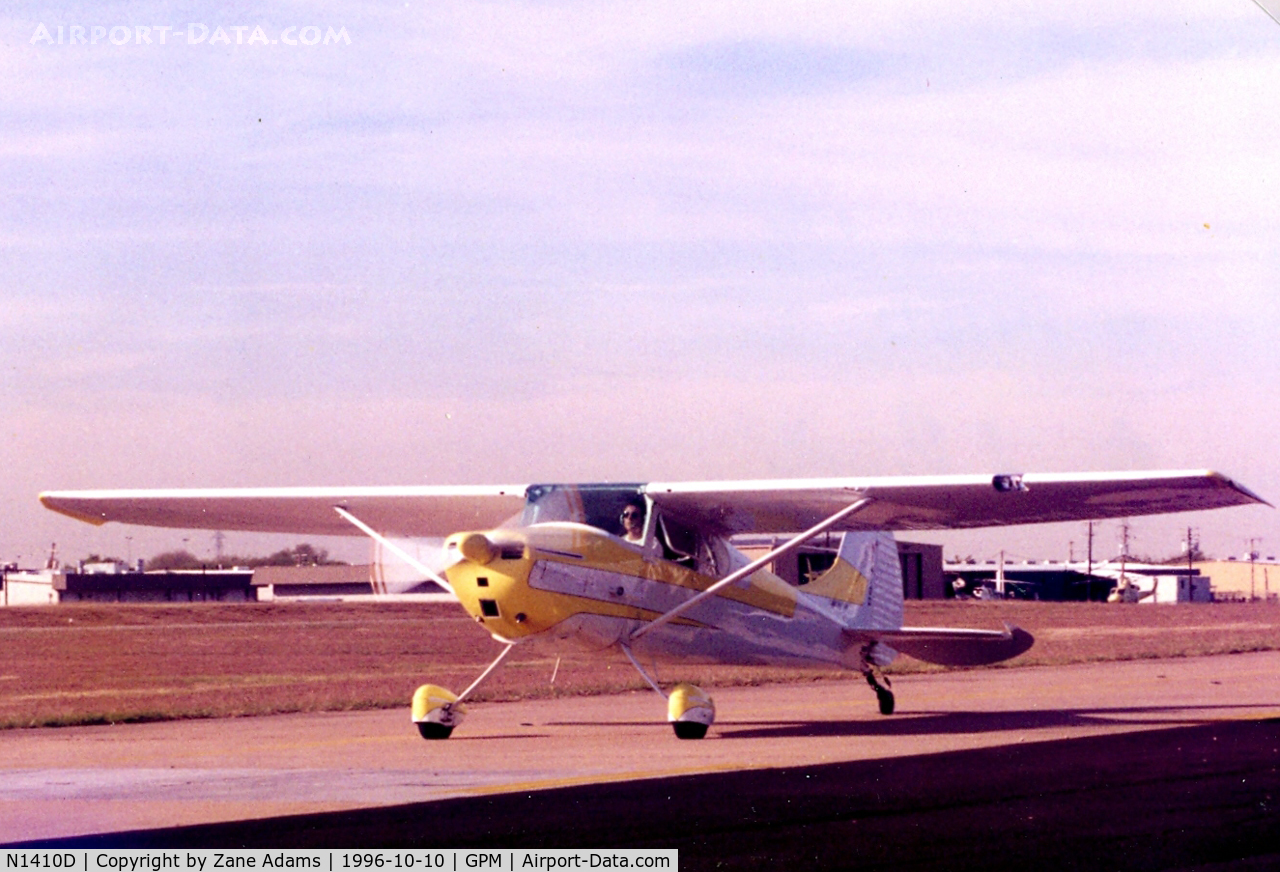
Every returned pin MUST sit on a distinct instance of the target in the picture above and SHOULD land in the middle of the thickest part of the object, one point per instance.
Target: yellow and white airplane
(650, 568)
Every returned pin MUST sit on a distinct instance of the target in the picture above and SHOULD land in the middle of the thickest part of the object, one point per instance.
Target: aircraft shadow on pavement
(952, 722)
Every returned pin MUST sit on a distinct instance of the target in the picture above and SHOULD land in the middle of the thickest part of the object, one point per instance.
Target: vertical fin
(868, 575)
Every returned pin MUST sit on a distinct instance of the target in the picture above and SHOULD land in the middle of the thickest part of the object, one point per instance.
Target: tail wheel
(880, 684)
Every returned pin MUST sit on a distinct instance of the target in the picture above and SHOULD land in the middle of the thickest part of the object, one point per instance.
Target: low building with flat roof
(50, 586)
(276, 583)
(1080, 582)
(1243, 580)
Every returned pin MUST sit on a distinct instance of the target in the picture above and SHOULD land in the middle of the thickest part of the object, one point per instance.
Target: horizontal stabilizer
(952, 647)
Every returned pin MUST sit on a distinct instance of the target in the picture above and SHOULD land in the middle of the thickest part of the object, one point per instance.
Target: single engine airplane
(651, 568)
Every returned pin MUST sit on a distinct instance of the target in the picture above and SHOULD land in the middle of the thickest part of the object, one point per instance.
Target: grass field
(84, 664)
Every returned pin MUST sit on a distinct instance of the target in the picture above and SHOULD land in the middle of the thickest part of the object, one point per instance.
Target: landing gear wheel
(429, 730)
(689, 729)
(436, 711)
(885, 698)
(690, 711)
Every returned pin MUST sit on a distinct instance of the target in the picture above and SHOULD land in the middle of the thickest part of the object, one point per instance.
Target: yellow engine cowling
(491, 580)
(491, 576)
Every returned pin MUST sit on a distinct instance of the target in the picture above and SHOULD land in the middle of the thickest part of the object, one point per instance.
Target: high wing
(403, 511)
(945, 502)
(726, 507)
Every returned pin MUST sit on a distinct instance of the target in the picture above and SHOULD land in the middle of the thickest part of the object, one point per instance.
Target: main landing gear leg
(690, 711)
(436, 711)
(879, 682)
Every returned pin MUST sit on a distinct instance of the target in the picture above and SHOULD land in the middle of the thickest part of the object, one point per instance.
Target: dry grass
(105, 664)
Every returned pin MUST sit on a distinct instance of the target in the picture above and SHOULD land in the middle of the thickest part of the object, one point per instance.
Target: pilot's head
(633, 520)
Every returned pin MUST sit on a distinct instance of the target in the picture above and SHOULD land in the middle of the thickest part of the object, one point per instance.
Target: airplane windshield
(600, 505)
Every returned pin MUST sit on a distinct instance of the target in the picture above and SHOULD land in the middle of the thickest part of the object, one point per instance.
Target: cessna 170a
(650, 569)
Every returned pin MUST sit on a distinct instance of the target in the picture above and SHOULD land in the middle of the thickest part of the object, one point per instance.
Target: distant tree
(300, 555)
(174, 560)
(304, 554)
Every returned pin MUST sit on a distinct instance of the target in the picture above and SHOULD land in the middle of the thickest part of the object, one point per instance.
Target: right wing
(403, 511)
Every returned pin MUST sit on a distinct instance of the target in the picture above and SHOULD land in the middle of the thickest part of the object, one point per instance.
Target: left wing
(944, 502)
(402, 511)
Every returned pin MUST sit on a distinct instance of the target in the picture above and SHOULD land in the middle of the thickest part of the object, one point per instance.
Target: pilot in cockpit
(633, 520)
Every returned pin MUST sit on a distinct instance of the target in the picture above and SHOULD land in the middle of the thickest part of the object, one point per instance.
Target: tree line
(304, 554)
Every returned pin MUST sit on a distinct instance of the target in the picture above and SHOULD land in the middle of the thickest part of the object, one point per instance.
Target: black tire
(885, 698)
(689, 729)
(429, 730)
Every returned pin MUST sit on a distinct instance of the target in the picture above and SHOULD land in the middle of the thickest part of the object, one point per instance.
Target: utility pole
(1191, 550)
(1253, 559)
(1089, 573)
(1124, 550)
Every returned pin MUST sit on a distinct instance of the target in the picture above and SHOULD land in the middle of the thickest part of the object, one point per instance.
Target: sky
(487, 242)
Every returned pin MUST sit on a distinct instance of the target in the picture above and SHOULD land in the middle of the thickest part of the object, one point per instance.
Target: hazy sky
(511, 242)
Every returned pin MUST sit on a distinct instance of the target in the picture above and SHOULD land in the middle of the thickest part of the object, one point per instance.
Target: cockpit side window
(600, 505)
(679, 543)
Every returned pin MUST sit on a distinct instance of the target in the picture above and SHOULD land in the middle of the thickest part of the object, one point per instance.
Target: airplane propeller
(416, 558)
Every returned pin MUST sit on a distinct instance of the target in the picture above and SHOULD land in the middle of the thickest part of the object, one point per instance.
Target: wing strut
(626, 649)
(394, 548)
(483, 675)
(785, 548)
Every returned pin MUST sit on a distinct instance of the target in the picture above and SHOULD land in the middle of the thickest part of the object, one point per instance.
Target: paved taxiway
(85, 780)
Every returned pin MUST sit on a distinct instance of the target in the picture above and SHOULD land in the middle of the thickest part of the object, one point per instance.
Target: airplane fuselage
(575, 582)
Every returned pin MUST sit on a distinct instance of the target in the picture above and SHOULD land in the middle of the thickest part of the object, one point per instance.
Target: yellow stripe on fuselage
(524, 611)
(763, 590)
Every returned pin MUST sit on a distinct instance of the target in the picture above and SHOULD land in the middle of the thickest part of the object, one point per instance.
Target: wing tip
(1236, 486)
(49, 499)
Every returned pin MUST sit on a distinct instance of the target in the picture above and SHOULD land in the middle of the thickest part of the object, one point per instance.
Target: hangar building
(1244, 580)
(114, 583)
(50, 586)
(921, 563)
